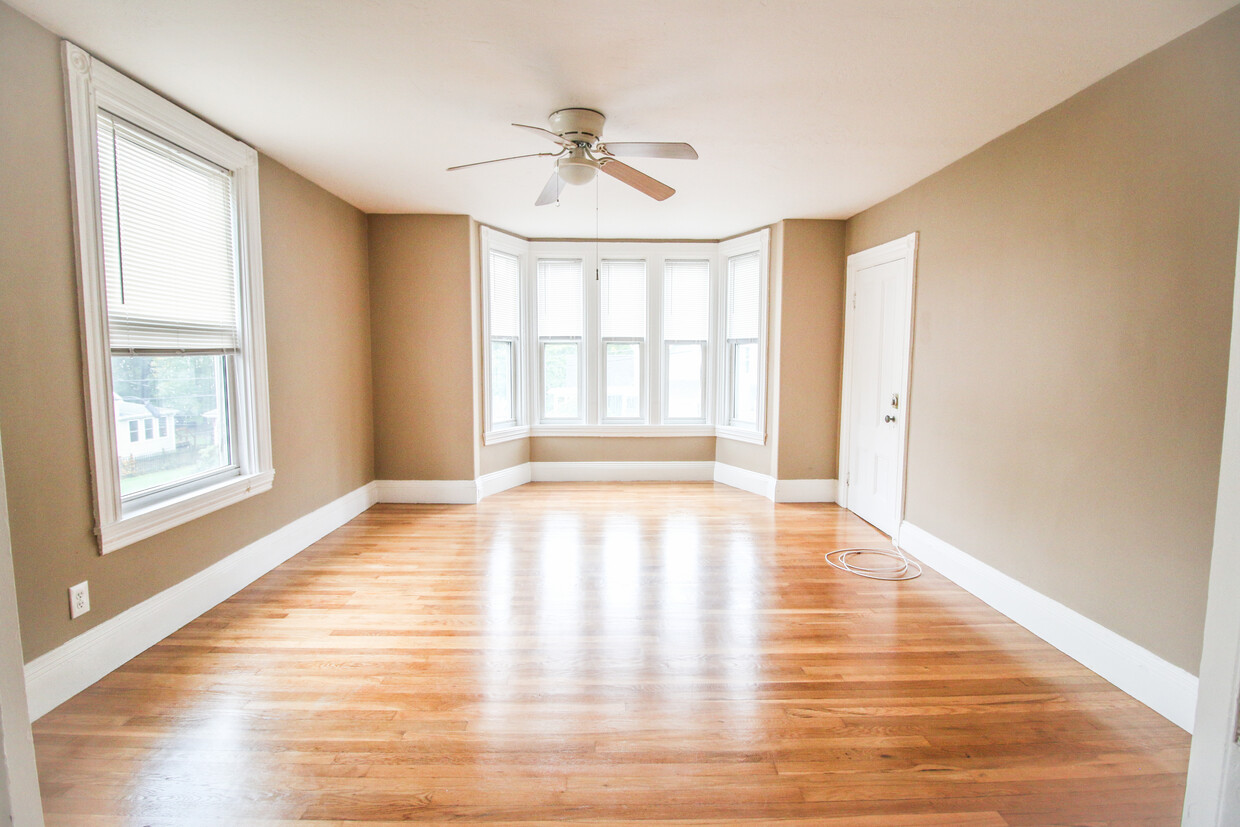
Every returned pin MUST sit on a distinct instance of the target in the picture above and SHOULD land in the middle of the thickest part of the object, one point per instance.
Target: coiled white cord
(902, 569)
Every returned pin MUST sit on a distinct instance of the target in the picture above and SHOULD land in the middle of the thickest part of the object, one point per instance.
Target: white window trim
(92, 85)
(654, 361)
(759, 242)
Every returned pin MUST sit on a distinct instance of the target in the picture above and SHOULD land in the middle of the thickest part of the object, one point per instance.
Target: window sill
(505, 435)
(740, 435)
(158, 518)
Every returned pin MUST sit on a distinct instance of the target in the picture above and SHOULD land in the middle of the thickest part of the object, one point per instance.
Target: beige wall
(318, 348)
(622, 449)
(421, 272)
(1073, 310)
(810, 358)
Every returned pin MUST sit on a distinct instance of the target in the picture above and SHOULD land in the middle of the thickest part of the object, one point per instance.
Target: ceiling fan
(578, 132)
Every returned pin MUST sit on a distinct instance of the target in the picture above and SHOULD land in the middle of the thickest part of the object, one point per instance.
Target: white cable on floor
(905, 569)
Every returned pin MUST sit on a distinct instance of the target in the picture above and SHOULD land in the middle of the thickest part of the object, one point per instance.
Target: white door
(878, 318)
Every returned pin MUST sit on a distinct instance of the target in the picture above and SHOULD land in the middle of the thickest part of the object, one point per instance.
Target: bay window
(627, 338)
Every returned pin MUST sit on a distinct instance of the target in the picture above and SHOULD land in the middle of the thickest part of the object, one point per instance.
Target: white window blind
(505, 277)
(559, 298)
(686, 300)
(743, 316)
(622, 286)
(168, 239)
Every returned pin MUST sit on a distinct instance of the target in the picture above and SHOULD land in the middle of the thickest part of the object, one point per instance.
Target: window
(622, 324)
(169, 268)
(504, 331)
(624, 338)
(686, 334)
(742, 352)
(560, 337)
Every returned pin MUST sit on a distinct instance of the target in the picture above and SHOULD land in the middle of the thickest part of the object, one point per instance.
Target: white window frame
(643, 357)
(91, 85)
(584, 342)
(591, 363)
(707, 355)
(491, 239)
(758, 242)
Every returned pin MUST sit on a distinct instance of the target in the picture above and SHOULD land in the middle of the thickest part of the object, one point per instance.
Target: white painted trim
(90, 86)
(622, 430)
(741, 435)
(1212, 798)
(746, 480)
(53, 678)
(621, 471)
(506, 435)
(455, 492)
(504, 479)
(1167, 689)
(805, 491)
(20, 805)
(900, 249)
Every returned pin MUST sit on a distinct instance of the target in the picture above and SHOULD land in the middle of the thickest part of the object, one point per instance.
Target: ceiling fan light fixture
(576, 171)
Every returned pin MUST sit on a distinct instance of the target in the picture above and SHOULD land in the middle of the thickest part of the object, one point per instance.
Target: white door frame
(1213, 795)
(19, 789)
(901, 249)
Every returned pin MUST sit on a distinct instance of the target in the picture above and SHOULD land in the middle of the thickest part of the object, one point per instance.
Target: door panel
(879, 320)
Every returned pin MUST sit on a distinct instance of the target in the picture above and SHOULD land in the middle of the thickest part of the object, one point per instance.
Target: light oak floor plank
(619, 653)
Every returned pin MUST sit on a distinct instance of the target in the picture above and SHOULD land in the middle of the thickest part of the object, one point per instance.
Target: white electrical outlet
(79, 599)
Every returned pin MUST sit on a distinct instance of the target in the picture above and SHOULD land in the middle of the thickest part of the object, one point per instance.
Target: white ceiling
(798, 108)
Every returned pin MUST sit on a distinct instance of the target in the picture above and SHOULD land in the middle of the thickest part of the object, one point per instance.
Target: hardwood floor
(630, 653)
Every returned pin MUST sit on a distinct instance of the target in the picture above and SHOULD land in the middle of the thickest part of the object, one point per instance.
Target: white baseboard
(498, 481)
(751, 481)
(57, 676)
(1167, 689)
(621, 471)
(805, 491)
(459, 492)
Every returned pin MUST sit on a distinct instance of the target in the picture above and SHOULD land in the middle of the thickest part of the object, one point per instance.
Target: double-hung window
(170, 277)
(622, 327)
(504, 333)
(561, 338)
(686, 335)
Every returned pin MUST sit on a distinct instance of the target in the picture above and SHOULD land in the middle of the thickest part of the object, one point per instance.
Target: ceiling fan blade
(640, 149)
(545, 133)
(637, 180)
(497, 160)
(551, 192)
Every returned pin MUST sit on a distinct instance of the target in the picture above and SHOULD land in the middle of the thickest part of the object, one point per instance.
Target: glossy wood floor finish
(607, 654)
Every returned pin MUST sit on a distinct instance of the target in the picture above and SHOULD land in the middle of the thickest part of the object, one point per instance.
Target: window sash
(638, 414)
(513, 344)
(703, 346)
(576, 375)
(734, 389)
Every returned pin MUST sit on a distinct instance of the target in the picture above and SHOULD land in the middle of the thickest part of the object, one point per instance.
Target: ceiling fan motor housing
(578, 125)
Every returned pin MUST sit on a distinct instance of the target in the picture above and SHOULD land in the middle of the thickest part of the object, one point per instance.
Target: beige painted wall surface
(1073, 311)
(622, 449)
(422, 323)
(812, 344)
(314, 261)
(503, 455)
